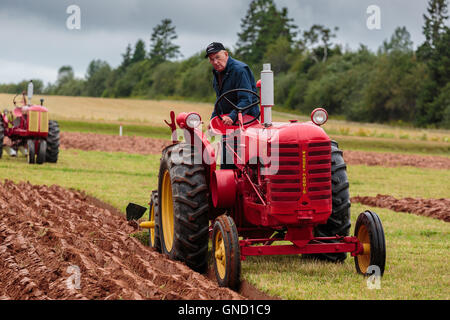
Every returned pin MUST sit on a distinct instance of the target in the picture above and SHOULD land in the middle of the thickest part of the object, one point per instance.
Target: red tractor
(30, 131)
(287, 194)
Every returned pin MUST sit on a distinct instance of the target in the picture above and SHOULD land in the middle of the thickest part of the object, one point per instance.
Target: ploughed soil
(112, 143)
(395, 159)
(50, 237)
(434, 208)
(143, 145)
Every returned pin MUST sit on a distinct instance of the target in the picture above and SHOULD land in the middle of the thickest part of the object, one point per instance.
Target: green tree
(400, 41)
(278, 54)
(434, 27)
(162, 47)
(435, 52)
(126, 58)
(262, 25)
(139, 53)
(97, 74)
(65, 73)
(318, 40)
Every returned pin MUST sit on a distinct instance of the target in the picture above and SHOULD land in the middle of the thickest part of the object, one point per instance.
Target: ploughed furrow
(62, 244)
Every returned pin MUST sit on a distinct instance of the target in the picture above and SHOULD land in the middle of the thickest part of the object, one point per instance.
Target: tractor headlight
(193, 120)
(319, 116)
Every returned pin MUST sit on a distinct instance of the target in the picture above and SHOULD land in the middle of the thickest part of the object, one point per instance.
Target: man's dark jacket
(236, 75)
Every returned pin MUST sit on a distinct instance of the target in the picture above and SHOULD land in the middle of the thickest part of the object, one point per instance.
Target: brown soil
(395, 159)
(45, 230)
(434, 208)
(112, 143)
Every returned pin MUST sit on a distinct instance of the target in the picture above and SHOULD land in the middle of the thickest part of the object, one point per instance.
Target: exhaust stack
(267, 96)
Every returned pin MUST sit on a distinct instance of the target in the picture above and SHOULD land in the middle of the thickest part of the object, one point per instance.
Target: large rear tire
(52, 142)
(339, 221)
(183, 204)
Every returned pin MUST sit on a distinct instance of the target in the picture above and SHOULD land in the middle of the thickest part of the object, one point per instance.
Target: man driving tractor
(229, 74)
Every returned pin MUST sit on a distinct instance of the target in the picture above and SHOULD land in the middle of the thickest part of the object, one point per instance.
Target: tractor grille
(33, 121)
(286, 183)
(302, 171)
(319, 170)
(38, 121)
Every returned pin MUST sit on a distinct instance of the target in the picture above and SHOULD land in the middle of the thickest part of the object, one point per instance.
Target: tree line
(394, 84)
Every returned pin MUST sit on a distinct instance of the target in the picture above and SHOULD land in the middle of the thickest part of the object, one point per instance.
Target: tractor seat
(217, 126)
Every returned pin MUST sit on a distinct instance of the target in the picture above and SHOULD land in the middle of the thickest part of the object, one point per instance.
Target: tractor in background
(288, 193)
(30, 131)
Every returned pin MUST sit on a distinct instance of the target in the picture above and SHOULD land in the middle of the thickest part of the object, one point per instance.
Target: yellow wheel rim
(364, 259)
(167, 211)
(152, 219)
(219, 255)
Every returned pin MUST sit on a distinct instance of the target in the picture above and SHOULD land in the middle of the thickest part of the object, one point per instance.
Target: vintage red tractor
(287, 194)
(30, 131)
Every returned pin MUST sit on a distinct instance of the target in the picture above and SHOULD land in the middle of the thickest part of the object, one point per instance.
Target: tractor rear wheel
(183, 207)
(2, 135)
(31, 151)
(52, 142)
(226, 252)
(154, 240)
(339, 221)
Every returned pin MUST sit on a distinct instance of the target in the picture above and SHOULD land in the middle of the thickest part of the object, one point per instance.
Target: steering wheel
(239, 109)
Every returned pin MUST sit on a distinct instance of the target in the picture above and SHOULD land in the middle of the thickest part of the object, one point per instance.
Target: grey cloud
(34, 32)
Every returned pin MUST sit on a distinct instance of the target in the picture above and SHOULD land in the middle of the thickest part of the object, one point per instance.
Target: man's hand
(227, 120)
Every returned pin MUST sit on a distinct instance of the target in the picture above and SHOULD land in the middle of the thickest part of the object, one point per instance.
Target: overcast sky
(35, 41)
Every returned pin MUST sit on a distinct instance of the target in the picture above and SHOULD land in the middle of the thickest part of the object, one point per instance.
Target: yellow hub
(220, 256)
(364, 258)
(167, 211)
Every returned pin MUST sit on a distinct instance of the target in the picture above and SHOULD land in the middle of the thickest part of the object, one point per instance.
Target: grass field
(417, 247)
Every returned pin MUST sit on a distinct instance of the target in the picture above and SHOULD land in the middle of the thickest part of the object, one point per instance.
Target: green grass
(113, 128)
(116, 178)
(417, 247)
(399, 182)
(368, 143)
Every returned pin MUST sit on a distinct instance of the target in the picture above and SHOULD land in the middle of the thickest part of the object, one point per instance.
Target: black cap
(213, 48)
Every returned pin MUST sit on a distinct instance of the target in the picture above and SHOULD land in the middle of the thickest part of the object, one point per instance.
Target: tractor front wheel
(31, 151)
(183, 207)
(226, 252)
(370, 233)
(42, 149)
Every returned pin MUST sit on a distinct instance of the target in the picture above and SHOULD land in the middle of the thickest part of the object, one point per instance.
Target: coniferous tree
(262, 25)
(435, 52)
(162, 47)
(139, 52)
